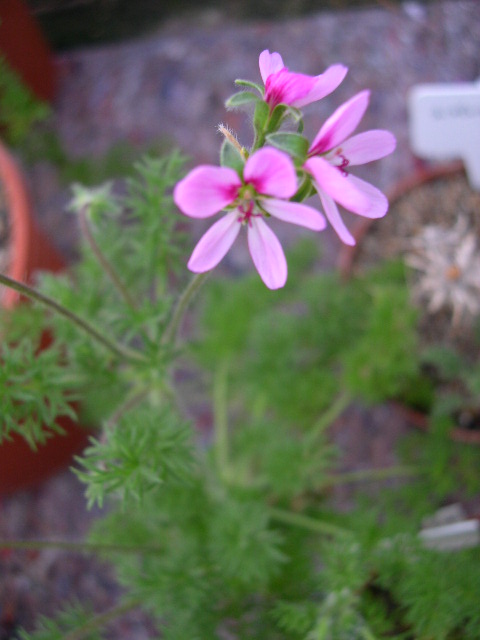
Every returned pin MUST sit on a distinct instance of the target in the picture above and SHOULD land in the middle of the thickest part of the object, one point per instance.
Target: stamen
(344, 164)
(246, 208)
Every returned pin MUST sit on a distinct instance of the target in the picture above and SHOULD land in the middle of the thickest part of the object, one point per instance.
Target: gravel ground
(169, 88)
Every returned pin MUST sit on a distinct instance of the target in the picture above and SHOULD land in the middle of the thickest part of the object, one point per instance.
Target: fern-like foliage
(74, 619)
(147, 448)
(238, 539)
(295, 351)
(34, 391)
(135, 232)
(19, 108)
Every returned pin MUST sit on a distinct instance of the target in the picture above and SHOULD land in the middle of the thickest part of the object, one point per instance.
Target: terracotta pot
(30, 251)
(348, 256)
(24, 47)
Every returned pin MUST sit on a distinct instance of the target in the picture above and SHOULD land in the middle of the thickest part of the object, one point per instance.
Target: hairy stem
(119, 350)
(171, 331)
(131, 402)
(366, 475)
(102, 260)
(78, 547)
(231, 138)
(329, 416)
(306, 522)
(102, 619)
(220, 417)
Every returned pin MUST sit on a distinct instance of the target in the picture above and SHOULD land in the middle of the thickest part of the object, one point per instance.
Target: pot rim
(30, 249)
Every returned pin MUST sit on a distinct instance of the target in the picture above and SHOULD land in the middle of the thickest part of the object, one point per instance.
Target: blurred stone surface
(169, 88)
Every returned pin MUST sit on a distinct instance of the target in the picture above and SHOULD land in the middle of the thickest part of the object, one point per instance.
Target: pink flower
(295, 89)
(330, 172)
(269, 180)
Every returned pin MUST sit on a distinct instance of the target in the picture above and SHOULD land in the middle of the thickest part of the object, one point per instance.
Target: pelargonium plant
(225, 533)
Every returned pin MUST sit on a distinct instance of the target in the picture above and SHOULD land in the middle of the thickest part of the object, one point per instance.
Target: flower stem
(171, 331)
(102, 260)
(329, 416)
(232, 139)
(119, 350)
(130, 403)
(306, 522)
(220, 419)
(78, 547)
(368, 635)
(366, 475)
(102, 619)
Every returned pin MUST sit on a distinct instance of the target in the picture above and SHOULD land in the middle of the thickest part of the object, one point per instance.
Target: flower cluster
(282, 169)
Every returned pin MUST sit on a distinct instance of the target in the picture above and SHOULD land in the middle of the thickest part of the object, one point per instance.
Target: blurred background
(69, 23)
(133, 76)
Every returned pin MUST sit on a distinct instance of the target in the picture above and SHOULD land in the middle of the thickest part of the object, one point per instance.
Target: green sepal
(276, 118)
(305, 190)
(231, 157)
(293, 143)
(241, 98)
(295, 114)
(250, 85)
(260, 116)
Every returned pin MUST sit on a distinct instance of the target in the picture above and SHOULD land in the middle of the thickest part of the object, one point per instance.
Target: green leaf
(149, 447)
(276, 117)
(75, 620)
(35, 389)
(20, 110)
(305, 190)
(293, 143)
(241, 98)
(260, 116)
(231, 157)
(246, 548)
(251, 85)
(294, 113)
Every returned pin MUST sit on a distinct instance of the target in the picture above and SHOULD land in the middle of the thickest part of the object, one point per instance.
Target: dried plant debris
(440, 202)
(447, 262)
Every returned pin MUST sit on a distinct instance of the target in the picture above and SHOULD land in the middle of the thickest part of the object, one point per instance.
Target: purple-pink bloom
(331, 155)
(269, 180)
(295, 89)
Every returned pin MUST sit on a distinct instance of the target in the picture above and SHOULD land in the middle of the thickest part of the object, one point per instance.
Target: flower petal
(325, 83)
(271, 172)
(340, 124)
(340, 187)
(206, 190)
(295, 212)
(368, 146)
(215, 243)
(333, 215)
(289, 88)
(378, 202)
(267, 254)
(269, 63)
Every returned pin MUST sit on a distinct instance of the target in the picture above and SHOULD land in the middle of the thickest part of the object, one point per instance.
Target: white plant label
(445, 124)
